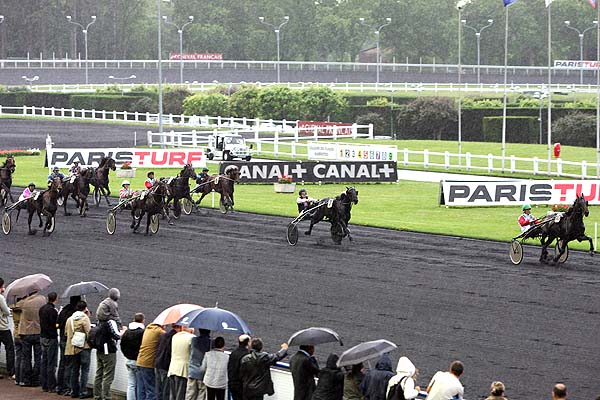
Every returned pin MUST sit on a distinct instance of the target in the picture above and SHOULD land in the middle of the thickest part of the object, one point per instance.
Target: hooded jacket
(374, 386)
(78, 322)
(108, 309)
(65, 313)
(331, 381)
(405, 368)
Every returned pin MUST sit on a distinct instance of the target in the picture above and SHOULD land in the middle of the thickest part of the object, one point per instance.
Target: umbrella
(174, 313)
(214, 319)
(365, 351)
(81, 288)
(314, 336)
(28, 284)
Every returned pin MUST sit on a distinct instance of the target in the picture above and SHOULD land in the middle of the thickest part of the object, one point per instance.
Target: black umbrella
(314, 336)
(365, 351)
(82, 288)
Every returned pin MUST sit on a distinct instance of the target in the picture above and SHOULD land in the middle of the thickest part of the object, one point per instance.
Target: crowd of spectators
(179, 363)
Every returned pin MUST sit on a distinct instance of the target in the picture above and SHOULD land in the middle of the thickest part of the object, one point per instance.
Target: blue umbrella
(214, 319)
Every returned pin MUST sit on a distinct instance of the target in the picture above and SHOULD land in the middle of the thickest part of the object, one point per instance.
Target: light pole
(377, 32)
(478, 35)
(180, 31)
(276, 29)
(581, 34)
(84, 29)
(30, 80)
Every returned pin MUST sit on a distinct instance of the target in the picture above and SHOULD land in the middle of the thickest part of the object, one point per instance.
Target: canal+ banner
(510, 193)
(139, 158)
(326, 172)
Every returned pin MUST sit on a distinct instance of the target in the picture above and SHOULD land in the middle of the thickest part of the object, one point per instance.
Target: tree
(427, 118)
(321, 103)
(279, 102)
(213, 104)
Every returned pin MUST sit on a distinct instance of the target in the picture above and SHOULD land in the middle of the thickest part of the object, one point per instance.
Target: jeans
(105, 374)
(235, 391)
(79, 366)
(132, 371)
(31, 375)
(6, 339)
(162, 384)
(48, 367)
(146, 384)
(215, 394)
(18, 360)
(63, 380)
(178, 386)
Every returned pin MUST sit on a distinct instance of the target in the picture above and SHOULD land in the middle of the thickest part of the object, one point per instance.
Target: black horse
(46, 203)
(6, 170)
(100, 179)
(565, 229)
(222, 184)
(179, 188)
(337, 212)
(78, 190)
(152, 203)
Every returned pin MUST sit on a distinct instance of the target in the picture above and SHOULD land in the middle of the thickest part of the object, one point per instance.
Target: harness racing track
(439, 298)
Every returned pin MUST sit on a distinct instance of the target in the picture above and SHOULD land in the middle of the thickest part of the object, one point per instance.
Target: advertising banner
(506, 193)
(351, 152)
(144, 158)
(572, 64)
(326, 172)
(196, 57)
(306, 128)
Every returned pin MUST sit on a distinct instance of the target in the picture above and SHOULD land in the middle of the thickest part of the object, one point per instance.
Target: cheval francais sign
(144, 158)
(196, 57)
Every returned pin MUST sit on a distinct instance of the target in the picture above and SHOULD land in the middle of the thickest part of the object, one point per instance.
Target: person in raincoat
(406, 374)
(331, 381)
(374, 386)
(352, 382)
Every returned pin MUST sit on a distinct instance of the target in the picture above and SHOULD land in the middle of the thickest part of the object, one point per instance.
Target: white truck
(228, 146)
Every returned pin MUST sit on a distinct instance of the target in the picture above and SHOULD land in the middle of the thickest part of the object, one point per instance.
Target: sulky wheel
(292, 234)
(51, 225)
(187, 206)
(565, 255)
(97, 197)
(223, 206)
(516, 252)
(137, 214)
(154, 223)
(111, 223)
(6, 223)
(60, 201)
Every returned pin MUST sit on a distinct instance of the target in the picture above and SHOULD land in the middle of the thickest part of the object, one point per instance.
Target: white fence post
(293, 144)
(513, 164)
(559, 166)
(371, 131)
(490, 162)
(315, 134)
(446, 159)
(149, 137)
(354, 130)
(276, 143)
(405, 151)
(425, 158)
(468, 161)
(136, 116)
(583, 169)
(335, 132)
(24, 110)
(536, 165)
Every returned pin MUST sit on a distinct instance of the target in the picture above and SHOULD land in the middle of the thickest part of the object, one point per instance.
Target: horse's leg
(31, 231)
(312, 223)
(544, 255)
(106, 194)
(201, 197)
(561, 244)
(148, 223)
(589, 239)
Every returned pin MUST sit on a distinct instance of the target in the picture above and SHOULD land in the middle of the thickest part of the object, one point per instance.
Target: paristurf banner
(144, 158)
(506, 193)
(326, 172)
(351, 152)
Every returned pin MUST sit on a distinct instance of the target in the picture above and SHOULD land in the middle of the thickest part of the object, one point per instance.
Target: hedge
(106, 102)
(518, 129)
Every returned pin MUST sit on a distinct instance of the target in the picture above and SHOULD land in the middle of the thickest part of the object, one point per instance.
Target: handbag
(78, 339)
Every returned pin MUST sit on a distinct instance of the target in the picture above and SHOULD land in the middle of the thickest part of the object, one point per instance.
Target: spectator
(234, 379)
(255, 370)
(180, 360)
(145, 362)
(107, 335)
(29, 330)
(108, 309)
(6, 337)
(130, 346)
(304, 369)
(16, 314)
(215, 365)
(162, 362)
(446, 385)
(49, 341)
(559, 392)
(79, 357)
(352, 382)
(374, 385)
(196, 389)
(406, 373)
(496, 391)
(63, 380)
(331, 381)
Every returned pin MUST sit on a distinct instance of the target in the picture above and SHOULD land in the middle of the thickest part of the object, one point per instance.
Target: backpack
(93, 336)
(396, 391)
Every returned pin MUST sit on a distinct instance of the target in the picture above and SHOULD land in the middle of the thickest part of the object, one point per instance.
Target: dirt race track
(439, 298)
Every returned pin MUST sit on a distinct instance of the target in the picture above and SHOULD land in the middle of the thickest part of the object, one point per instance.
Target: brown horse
(179, 188)
(338, 212)
(153, 203)
(46, 203)
(6, 170)
(222, 184)
(78, 191)
(100, 179)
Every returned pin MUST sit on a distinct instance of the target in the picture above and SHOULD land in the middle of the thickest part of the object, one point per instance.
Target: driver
(526, 220)
(28, 192)
(75, 169)
(304, 202)
(56, 174)
(202, 177)
(150, 181)
(125, 192)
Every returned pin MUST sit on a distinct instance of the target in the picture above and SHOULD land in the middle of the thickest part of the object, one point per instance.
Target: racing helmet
(125, 182)
(526, 206)
(302, 191)
(75, 162)
(150, 173)
(31, 184)
(204, 169)
(55, 168)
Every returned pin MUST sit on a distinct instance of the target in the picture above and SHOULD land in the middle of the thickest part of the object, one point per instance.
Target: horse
(6, 170)
(100, 178)
(179, 188)
(78, 191)
(338, 212)
(46, 203)
(565, 229)
(152, 203)
(222, 184)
